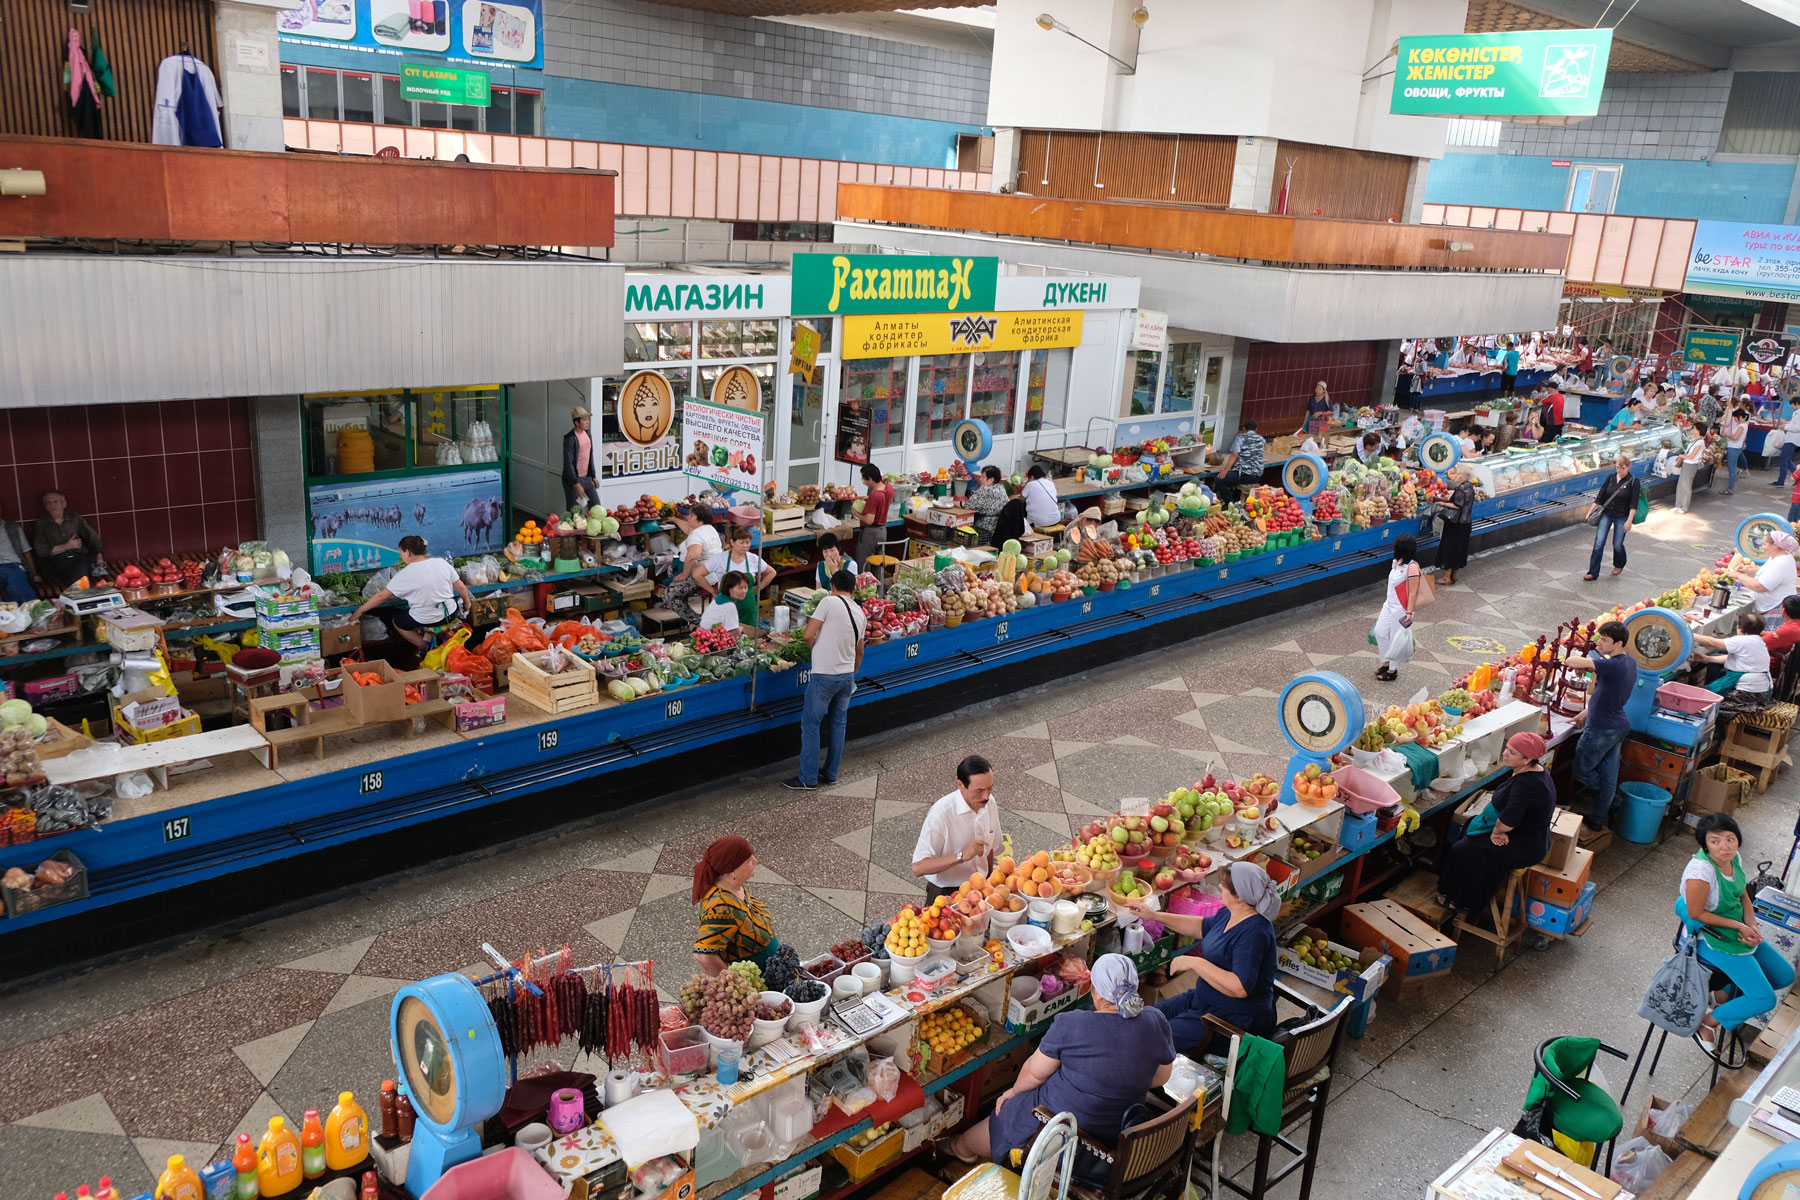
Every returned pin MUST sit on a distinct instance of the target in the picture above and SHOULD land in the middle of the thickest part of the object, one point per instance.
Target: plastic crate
(18, 902)
(865, 1161)
(683, 1051)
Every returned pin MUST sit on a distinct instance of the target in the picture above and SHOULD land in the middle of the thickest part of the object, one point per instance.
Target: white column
(1006, 160)
(1415, 191)
(249, 74)
(1253, 173)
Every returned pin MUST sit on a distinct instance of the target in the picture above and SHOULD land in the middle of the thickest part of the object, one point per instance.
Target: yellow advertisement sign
(958, 333)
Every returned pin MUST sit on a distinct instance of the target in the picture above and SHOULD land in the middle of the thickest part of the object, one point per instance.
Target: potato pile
(1370, 511)
(19, 758)
(985, 598)
(1098, 574)
(1404, 503)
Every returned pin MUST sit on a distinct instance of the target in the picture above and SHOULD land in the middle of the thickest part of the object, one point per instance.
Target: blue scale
(1304, 477)
(1321, 714)
(1753, 531)
(1438, 452)
(447, 1052)
(1659, 641)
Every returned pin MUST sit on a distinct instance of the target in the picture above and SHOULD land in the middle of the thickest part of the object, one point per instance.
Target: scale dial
(447, 1049)
(1658, 640)
(1304, 476)
(1753, 532)
(1440, 451)
(972, 440)
(1321, 713)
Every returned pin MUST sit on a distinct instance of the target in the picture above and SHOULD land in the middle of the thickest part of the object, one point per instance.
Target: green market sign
(1714, 347)
(1530, 73)
(892, 283)
(433, 84)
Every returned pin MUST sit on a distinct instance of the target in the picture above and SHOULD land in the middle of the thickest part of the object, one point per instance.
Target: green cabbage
(13, 712)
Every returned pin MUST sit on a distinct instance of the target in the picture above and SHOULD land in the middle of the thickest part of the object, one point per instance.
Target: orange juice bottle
(105, 1190)
(179, 1182)
(346, 1134)
(243, 1161)
(278, 1160)
(312, 1145)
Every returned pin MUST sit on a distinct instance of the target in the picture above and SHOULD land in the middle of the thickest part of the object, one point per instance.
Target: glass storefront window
(878, 385)
(1211, 381)
(659, 341)
(737, 339)
(806, 421)
(290, 92)
(382, 415)
(1141, 370)
(322, 95)
(1183, 378)
(394, 109)
(359, 97)
(943, 396)
(995, 388)
(443, 417)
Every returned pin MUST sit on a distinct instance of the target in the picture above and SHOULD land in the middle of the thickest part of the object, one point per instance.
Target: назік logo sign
(1568, 72)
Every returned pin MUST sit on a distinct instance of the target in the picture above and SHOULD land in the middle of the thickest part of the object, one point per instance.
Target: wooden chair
(1150, 1159)
(1310, 1049)
(1509, 926)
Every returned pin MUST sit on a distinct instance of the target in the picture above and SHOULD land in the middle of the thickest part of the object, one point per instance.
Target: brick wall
(652, 45)
(167, 478)
(1279, 378)
(1641, 116)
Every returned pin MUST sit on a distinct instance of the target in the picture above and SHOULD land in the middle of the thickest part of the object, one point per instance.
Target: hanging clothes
(103, 72)
(84, 91)
(187, 104)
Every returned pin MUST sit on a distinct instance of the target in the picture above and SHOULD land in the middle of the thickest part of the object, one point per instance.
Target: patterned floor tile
(48, 1162)
(89, 1114)
(339, 960)
(266, 1055)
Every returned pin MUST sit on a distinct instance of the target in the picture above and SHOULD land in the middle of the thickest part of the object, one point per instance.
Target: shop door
(808, 427)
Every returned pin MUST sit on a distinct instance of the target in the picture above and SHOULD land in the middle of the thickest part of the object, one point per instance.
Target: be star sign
(1531, 73)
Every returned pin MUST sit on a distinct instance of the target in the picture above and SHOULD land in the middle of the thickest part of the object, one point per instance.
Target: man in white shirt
(835, 633)
(961, 834)
(1042, 508)
(428, 585)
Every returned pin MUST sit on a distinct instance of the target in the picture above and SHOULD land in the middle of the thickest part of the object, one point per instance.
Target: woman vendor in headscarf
(1511, 832)
(1096, 1065)
(1236, 963)
(734, 925)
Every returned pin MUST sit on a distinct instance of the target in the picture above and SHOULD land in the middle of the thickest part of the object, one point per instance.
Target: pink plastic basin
(1364, 792)
(510, 1174)
(1685, 697)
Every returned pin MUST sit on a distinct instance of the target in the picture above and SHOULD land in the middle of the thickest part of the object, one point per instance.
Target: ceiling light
(1048, 23)
(1140, 16)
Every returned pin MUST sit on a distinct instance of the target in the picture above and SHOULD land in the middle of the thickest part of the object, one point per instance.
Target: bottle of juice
(243, 1161)
(179, 1182)
(370, 1190)
(105, 1189)
(278, 1160)
(82, 1193)
(312, 1145)
(346, 1134)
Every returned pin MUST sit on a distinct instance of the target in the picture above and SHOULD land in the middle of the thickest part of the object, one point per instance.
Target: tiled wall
(660, 46)
(1279, 379)
(1641, 116)
(171, 478)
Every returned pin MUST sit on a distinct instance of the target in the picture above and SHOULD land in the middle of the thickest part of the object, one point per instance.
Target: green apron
(1730, 906)
(747, 607)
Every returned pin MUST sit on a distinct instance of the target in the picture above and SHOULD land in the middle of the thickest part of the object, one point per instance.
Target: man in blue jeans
(1604, 727)
(835, 633)
(18, 571)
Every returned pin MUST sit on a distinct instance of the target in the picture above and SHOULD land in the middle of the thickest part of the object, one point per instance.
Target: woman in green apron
(739, 557)
(1713, 895)
(734, 925)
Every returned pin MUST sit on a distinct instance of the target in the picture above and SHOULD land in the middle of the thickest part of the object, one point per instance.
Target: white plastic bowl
(714, 1045)
(1028, 941)
(1026, 989)
(763, 1032)
(1000, 922)
(869, 975)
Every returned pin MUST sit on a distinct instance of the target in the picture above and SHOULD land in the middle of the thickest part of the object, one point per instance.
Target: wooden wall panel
(1330, 181)
(136, 35)
(1131, 166)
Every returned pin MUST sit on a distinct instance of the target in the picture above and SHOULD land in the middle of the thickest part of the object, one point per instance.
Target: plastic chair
(1579, 1110)
(1049, 1164)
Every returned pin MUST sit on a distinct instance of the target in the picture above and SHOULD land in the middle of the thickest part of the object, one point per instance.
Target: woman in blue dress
(1236, 963)
(1094, 1064)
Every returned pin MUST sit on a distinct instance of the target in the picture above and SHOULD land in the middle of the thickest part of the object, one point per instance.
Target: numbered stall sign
(547, 739)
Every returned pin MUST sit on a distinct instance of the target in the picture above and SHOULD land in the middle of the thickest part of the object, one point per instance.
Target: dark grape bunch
(805, 991)
(782, 969)
(875, 938)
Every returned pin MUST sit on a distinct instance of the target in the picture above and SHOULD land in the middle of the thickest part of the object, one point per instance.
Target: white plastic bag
(1637, 1164)
(133, 785)
(884, 1077)
(1667, 1122)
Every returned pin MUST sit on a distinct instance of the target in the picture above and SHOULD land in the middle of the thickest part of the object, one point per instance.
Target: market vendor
(722, 613)
(961, 834)
(1513, 831)
(1096, 1065)
(1042, 507)
(67, 546)
(1774, 581)
(1236, 963)
(699, 544)
(1746, 684)
(1369, 449)
(986, 502)
(832, 559)
(1714, 891)
(734, 925)
(739, 558)
(578, 464)
(428, 585)
(1318, 410)
(1626, 417)
(874, 518)
(1243, 463)
(19, 578)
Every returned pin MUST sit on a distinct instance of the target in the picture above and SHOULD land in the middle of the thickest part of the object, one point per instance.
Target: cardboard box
(340, 639)
(1562, 885)
(1359, 983)
(1562, 919)
(374, 703)
(1175, 985)
(799, 1184)
(1565, 834)
(1667, 1145)
(1417, 949)
(57, 687)
(1025, 1016)
(864, 1162)
(949, 518)
(1719, 788)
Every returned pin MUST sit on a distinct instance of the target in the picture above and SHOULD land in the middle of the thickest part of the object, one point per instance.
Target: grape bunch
(693, 997)
(750, 971)
(875, 938)
(729, 1003)
(805, 991)
(773, 1012)
(783, 969)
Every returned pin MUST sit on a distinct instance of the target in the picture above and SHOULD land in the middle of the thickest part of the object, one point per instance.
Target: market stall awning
(75, 329)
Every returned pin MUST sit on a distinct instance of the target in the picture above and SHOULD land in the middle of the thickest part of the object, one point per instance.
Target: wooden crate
(641, 590)
(576, 686)
(66, 741)
(1760, 753)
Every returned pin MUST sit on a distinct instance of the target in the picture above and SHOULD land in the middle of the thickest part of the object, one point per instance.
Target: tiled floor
(110, 1071)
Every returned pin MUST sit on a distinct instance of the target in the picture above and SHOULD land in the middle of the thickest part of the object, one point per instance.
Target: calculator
(1788, 1100)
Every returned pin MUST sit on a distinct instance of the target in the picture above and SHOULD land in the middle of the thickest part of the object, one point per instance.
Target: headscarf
(1254, 887)
(1526, 745)
(1115, 981)
(1784, 542)
(721, 858)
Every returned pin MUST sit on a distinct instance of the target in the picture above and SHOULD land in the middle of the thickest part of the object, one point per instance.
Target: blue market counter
(303, 835)
(1475, 382)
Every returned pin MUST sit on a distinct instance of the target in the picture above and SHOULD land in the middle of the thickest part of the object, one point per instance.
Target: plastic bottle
(390, 1109)
(179, 1182)
(370, 1189)
(312, 1145)
(346, 1134)
(278, 1160)
(407, 1116)
(105, 1190)
(243, 1161)
(82, 1193)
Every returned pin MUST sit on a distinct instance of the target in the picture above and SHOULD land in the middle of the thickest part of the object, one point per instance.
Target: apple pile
(647, 508)
(1190, 865)
(1177, 549)
(1325, 506)
(1315, 783)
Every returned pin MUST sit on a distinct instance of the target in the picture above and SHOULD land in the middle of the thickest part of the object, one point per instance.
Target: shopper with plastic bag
(1393, 635)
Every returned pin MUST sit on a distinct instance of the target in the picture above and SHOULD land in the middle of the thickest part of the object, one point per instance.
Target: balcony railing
(125, 191)
(1632, 251)
(1300, 241)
